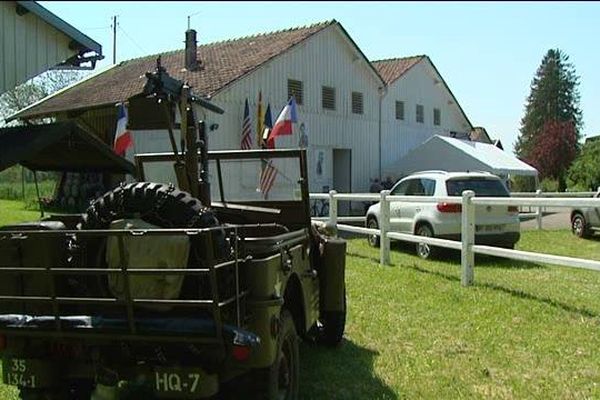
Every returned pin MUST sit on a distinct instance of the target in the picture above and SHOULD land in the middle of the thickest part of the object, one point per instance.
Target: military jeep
(160, 292)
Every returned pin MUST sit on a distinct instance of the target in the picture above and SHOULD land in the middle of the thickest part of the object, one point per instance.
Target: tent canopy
(61, 146)
(455, 155)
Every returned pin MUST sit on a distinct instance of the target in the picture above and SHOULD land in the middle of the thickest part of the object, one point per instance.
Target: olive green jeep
(174, 290)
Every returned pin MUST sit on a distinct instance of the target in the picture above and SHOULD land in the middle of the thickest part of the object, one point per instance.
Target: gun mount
(170, 92)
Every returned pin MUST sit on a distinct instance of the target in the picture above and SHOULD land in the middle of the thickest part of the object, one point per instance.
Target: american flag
(267, 177)
(246, 129)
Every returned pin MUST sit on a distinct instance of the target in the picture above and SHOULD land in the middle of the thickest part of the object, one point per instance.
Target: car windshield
(481, 186)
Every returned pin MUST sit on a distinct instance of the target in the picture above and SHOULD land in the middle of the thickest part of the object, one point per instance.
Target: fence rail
(467, 244)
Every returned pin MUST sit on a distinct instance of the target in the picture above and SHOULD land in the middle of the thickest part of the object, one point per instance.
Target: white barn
(346, 104)
(417, 105)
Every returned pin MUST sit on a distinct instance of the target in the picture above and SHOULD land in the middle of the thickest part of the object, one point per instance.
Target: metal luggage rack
(213, 304)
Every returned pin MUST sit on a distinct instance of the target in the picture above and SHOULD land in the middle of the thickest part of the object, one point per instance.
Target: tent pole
(37, 191)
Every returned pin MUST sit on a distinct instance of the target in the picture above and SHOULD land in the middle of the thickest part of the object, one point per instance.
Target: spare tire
(156, 203)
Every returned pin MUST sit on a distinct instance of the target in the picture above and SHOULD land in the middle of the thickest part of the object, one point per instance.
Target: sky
(487, 52)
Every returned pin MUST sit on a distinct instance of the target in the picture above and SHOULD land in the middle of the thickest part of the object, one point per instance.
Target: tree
(552, 103)
(584, 174)
(34, 90)
(554, 149)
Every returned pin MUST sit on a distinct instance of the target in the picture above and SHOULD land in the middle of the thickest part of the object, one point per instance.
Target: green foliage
(549, 185)
(35, 89)
(554, 99)
(585, 171)
(17, 183)
(520, 183)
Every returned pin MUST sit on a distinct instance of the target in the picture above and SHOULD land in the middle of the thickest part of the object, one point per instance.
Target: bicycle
(320, 208)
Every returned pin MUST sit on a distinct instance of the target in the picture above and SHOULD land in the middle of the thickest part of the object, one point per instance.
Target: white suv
(494, 225)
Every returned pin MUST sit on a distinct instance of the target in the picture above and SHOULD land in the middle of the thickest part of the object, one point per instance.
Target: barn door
(342, 176)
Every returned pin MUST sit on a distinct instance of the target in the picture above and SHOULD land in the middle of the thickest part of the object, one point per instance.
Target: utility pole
(114, 39)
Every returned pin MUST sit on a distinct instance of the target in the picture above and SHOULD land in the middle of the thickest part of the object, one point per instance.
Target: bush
(549, 185)
(585, 171)
(522, 184)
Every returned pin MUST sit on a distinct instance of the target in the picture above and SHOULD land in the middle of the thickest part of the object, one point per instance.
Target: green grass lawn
(522, 331)
(12, 211)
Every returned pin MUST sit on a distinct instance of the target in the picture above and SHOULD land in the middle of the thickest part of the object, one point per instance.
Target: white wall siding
(417, 86)
(327, 59)
(28, 46)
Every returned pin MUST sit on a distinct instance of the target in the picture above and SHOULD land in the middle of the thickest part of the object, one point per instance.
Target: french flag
(123, 139)
(283, 124)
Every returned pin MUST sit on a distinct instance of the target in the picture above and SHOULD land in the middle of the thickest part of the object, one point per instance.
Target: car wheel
(579, 226)
(373, 239)
(425, 251)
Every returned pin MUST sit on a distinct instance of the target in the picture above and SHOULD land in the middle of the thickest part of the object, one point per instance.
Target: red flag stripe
(123, 142)
(267, 178)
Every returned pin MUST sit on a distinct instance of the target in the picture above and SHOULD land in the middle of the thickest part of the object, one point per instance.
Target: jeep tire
(281, 380)
(333, 325)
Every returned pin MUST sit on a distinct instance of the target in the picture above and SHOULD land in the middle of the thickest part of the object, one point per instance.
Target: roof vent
(191, 61)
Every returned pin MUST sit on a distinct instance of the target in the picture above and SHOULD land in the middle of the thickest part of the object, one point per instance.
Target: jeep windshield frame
(292, 210)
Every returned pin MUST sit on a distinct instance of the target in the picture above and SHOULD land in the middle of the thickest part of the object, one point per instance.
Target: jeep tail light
(449, 207)
(240, 353)
(2, 342)
(513, 209)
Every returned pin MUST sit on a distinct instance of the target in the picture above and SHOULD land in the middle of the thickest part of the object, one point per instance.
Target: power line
(132, 41)
(96, 28)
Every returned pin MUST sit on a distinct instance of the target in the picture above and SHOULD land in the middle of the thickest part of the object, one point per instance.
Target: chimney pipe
(191, 60)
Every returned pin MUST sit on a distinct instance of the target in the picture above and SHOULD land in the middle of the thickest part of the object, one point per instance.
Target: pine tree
(553, 100)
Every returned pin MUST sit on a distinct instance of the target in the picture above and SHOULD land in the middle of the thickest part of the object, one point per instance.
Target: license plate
(489, 228)
(21, 372)
(178, 382)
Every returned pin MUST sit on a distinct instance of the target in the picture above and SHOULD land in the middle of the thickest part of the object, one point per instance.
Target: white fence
(467, 244)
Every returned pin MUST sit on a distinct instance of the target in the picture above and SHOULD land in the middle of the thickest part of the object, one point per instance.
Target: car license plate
(22, 372)
(489, 228)
(178, 382)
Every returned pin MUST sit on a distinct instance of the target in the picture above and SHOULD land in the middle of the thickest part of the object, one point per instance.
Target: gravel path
(554, 218)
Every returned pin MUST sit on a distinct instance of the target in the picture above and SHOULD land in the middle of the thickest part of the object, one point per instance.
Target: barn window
(357, 103)
(420, 113)
(328, 98)
(400, 110)
(295, 89)
(437, 116)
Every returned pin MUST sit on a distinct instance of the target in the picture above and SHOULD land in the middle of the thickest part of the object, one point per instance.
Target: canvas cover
(59, 146)
(162, 251)
(456, 155)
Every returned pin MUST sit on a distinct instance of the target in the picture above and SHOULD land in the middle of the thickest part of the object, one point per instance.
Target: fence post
(333, 210)
(538, 193)
(467, 257)
(384, 241)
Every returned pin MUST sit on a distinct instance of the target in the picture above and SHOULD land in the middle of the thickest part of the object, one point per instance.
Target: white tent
(455, 155)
